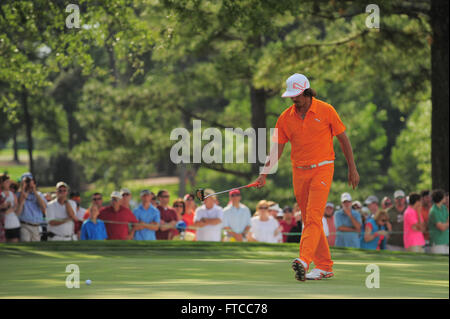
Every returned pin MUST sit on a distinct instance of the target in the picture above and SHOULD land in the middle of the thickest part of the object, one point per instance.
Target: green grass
(14, 171)
(174, 269)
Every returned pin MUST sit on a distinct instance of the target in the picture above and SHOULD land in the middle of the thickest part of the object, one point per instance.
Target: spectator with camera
(61, 216)
(386, 203)
(8, 208)
(31, 208)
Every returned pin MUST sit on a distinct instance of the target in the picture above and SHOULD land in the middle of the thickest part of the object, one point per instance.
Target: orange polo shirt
(311, 138)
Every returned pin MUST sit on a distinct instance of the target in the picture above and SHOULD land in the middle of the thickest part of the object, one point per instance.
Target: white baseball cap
(371, 199)
(295, 85)
(116, 194)
(346, 197)
(399, 193)
(60, 184)
(277, 208)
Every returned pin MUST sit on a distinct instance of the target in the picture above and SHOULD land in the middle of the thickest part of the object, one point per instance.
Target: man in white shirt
(236, 217)
(208, 218)
(61, 215)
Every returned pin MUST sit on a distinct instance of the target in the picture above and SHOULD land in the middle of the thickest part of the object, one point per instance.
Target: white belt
(315, 165)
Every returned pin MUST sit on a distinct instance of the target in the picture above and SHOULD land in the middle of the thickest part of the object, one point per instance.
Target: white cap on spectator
(399, 193)
(116, 194)
(124, 191)
(357, 202)
(277, 208)
(371, 199)
(329, 204)
(346, 197)
(60, 184)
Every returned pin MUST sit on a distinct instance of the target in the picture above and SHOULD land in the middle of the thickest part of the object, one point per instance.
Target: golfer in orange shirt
(310, 125)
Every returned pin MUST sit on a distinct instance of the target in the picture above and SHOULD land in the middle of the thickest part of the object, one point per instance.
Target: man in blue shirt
(93, 228)
(236, 217)
(148, 216)
(348, 224)
(31, 208)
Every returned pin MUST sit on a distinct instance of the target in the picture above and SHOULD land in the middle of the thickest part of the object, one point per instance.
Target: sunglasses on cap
(235, 195)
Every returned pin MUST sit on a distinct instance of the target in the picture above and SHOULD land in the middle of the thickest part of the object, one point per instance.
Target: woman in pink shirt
(413, 226)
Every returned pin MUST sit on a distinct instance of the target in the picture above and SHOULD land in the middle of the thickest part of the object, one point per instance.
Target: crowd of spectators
(418, 222)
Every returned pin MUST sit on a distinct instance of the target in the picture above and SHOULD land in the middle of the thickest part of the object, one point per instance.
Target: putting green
(178, 269)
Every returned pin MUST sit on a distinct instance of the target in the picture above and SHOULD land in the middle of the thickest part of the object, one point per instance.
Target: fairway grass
(179, 270)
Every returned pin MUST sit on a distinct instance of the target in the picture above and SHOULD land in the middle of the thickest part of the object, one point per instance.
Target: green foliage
(411, 156)
(116, 87)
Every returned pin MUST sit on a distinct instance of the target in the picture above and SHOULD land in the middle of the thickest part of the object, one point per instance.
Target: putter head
(200, 194)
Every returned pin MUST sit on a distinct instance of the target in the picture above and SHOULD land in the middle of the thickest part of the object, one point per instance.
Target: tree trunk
(439, 95)
(28, 128)
(15, 148)
(258, 105)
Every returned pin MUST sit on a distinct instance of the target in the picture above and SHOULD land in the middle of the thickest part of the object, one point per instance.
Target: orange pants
(311, 188)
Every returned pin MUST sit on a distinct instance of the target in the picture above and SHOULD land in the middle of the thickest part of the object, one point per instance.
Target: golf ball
(88, 282)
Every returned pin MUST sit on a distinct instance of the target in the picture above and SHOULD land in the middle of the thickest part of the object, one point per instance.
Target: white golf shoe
(317, 274)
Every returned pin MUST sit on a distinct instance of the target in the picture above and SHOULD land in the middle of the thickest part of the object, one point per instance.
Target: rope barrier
(283, 233)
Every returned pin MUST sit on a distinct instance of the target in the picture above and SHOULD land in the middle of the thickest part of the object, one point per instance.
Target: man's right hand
(261, 181)
(24, 194)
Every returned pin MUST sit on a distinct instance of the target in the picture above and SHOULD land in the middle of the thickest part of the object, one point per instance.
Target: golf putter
(200, 193)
